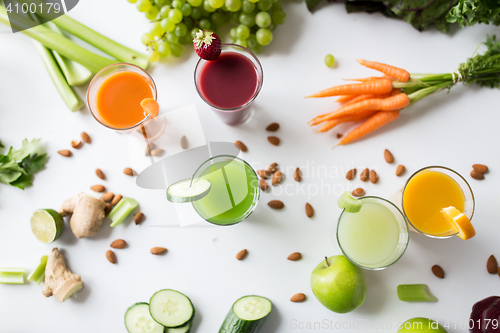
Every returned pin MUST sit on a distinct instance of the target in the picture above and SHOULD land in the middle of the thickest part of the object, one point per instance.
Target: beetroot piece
(485, 316)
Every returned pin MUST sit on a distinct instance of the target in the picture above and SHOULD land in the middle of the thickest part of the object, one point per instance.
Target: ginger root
(88, 213)
(59, 281)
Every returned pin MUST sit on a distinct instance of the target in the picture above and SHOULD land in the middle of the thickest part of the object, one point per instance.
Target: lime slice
(347, 202)
(181, 192)
(47, 225)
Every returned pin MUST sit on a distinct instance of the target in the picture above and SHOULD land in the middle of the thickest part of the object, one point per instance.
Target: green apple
(421, 325)
(339, 284)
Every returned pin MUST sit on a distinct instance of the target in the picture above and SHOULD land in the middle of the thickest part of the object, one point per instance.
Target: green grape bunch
(174, 23)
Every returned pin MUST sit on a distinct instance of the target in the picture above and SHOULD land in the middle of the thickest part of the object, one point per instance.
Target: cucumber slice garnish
(138, 320)
(347, 202)
(171, 308)
(181, 192)
(252, 307)
(183, 329)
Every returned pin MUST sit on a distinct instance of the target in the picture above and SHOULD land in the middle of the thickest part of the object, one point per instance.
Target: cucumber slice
(181, 192)
(347, 202)
(183, 329)
(247, 315)
(171, 308)
(138, 320)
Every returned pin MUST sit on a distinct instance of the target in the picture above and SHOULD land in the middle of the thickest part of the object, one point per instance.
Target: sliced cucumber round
(181, 192)
(183, 329)
(247, 315)
(139, 320)
(347, 202)
(171, 308)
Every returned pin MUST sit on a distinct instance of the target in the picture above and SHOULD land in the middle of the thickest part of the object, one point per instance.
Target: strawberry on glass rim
(207, 45)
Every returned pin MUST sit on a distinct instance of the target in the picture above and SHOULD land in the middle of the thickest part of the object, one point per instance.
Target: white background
(456, 130)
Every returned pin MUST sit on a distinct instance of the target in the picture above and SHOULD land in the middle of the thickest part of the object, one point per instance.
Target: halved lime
(181, 191)
(47, 225)
(350, 204)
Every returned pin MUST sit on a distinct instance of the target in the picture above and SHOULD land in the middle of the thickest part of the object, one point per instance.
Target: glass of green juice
(375, 237)
(234, 191)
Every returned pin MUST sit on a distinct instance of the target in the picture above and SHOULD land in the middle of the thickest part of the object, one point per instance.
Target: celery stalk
(38, 274)
(122, 209)
(415, 293)
(12, 275)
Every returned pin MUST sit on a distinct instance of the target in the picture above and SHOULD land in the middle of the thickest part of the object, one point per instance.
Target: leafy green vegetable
(18, 166)
(470, 12)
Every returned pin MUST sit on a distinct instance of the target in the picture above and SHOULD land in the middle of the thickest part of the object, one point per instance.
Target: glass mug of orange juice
(439, 203)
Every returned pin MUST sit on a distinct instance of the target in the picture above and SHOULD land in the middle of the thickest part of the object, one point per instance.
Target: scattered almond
(273, 167)
(158, 250)
(100, 174)
(157, 152)
(309, 210)
(139, 217)
(295, 256)
(389, 158)
(107, 209)
(373, 176)
(480, 168)
(273, 127)
(241, 146)
(263, 185)
(350, 174)
(276, 204)
(242, 254)
(118, 244)
(277, 178)
(184, 142)
(65, 153)
(116, 199)
(339, 135)
(274, 140)
(148, 150)
(359, 192)
(400, 170)
(498, 272)
(264, 174)
(107, 197)
(365, 174)
(98, 188)
(111, 256)
(129, 172)
(76, 144)
(298, 298)
(476, 175)
(297, 175)
(85, 137)
(492, 265)
(438, 271)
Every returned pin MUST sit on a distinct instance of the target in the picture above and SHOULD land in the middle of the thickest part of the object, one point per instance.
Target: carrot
(370, 78)
(382, 86)
(345, 98)
(337, 121)
(394, 72)
(368, 96)
(373, 123)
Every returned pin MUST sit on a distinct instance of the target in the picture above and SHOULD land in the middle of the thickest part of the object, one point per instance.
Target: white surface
(456, 130)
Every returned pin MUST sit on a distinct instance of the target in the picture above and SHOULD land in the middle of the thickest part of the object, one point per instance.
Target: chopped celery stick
(123, 209)
(38, 273)
(12, 270)
(12, 275)
(415, 293)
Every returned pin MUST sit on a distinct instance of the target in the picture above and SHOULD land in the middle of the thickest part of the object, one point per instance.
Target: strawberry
(207, 45)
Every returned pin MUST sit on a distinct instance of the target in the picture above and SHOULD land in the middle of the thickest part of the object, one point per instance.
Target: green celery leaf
(10, 172)
(34, 163)
(23, 181)
(28, 148)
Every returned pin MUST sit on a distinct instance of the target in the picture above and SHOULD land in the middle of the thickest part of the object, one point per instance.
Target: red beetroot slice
(207, 45)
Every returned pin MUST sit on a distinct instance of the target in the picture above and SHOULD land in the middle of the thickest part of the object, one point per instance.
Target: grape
(186, 9)
(243, 32)
(177, 4)
(163, 48)
(152, 13)
(257, 48)
(188, 22)
(155, 29)
(143, 5)
(146, 38)
(207, 6)
(254, 1)
(180, 30)
(196, 13)
(167, 24)
(251, 41)
(265, 5)
(204, 24)
(167, 3)
(164, 11)
(263, 19)
(247, 6)
(276, 5)
(216, 3)
(272, 26)
(132, 1)
(218, 18)
(235, 17)
(279, 17)
(175, 15)
(241, 42)
(194, 31)
(186, 39)
(247, 19)
(233, 5)
(176, 49)
(159, 3)
(233, 33)
(264, 36)
(154, 56)
(329, 60)
(172, 38)
(195, 3)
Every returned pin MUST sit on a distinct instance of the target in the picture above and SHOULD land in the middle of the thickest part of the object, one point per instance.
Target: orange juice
(425, 195)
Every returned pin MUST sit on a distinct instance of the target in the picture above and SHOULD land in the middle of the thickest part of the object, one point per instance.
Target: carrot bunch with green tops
(377, 101)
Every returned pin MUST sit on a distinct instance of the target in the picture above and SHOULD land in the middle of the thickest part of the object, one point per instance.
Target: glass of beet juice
(230, 84)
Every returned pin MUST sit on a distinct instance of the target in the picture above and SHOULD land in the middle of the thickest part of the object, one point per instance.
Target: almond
(339, 135)
(77, 144)
(264, 174)
(158, 250)
(147, 152)
(276, 204)
(263, 185)
(492, 265)
(438, 271)
(480, 168)
(139, 217)
(272, 168)
(118, 244)
(297, 175)
(476, 175)
(350, 174)
(184, 142)
(309, 210)
(100, 174)
(298, 298)
(65, 153)
(389, 158)
(498, 272)
(273, 127)
(111, 256)
(373, 176)
(157, 152)
(129, 172)
(107, 209)
(107, 197)
(242, 254)
(98, 188)
(364, 175)
(295, 256)
(274, 140)
(85, 137)
(116, 199)
(277, 178)
(241, 146)
(400, 170)
(359, 192)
